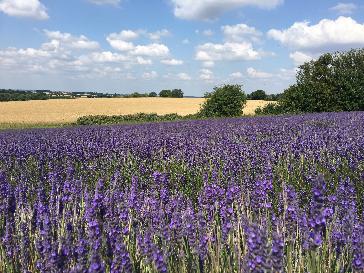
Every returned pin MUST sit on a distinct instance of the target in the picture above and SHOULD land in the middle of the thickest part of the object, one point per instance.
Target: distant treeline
(17, 95)
(24, 95)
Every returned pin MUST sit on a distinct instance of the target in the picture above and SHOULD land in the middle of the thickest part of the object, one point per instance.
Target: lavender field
(269, 194)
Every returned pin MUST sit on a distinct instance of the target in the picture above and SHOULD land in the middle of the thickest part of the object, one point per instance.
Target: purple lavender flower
(257, 257)
(121, 260)
(319, 213)
(96, 264)
(277, 254)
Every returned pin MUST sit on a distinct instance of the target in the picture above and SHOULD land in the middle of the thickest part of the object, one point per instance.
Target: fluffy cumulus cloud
(308, 41)
(344, 8)
(240, 32)
(78, 57)
(104, 57)
(34, 60)
(300, 57)
(325, 35)
(143, 61)
(158, 34)
(124, 35)
(24, 53)
(184, 76)
(69, 40)
(236, 75)
(24, 8)
(129, 35)
(208, 64)
(152, 50)
(211, 9)
(105, 2)
(172, 62)
(206, 75)
(211, 52)
(122, 42)
(150, 75)
(253, 73)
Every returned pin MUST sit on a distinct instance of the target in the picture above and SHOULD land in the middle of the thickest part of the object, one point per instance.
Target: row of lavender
(280, 194)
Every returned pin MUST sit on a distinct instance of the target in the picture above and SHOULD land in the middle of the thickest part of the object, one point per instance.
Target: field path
(68, 110)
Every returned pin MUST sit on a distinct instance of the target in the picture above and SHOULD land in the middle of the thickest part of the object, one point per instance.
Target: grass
(55, 113)
(15, 126)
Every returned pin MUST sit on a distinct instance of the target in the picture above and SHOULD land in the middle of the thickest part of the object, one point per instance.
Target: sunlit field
(67, 111)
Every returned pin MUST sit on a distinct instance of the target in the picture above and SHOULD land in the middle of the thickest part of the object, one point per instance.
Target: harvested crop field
(65, 111)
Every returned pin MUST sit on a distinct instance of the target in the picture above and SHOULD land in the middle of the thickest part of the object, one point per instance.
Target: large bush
(257, 95)
(224, 101)
(175, 93)
(333, 82)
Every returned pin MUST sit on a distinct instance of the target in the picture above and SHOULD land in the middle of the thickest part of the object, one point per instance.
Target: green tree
(224, 101)
(165, 93)
(333, 82)
(177, 93)
(153, 94)
(207, 95)
(258, 95)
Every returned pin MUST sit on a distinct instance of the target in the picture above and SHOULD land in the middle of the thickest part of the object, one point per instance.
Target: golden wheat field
(68, 110)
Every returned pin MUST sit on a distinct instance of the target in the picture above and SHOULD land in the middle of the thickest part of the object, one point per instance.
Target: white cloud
(253, 73)
(105, 2)
(211, 9)
(300, 57)
(120, 41)
(24, 8)
(240, 32)
(208, 32)
(120, 44)
(172, 62)
(342, 33)
(206, 75)
(60, 55)
(125, 35)
(158, 34)
(344, 8)
(208, 64)
(31, 60)
(68, 40)
(107, 56)
(143, 61)
(228, 51)
(150, 75)
(152, 50)
(185, 41)
(236, 75)
(184, 76)
(26, 53)
(111, 58)
(53, 45)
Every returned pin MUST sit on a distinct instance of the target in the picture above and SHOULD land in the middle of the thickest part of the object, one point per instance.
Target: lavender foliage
(267, 194)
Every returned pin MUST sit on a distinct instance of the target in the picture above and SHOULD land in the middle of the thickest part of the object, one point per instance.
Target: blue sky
(138, 45)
